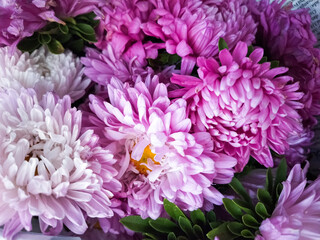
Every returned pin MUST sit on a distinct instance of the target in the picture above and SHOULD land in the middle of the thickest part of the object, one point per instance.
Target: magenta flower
(157, 157)
(49, 170)
(193, 28)
(286, 35)
(121, 19)
(296, 216)
(246, 106)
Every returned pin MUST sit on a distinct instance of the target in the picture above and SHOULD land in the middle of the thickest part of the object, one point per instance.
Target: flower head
(286, 35)
(296, 215)
(44, 72)
(47, 168)
(246, 106)
(157, 156)
(193, 28)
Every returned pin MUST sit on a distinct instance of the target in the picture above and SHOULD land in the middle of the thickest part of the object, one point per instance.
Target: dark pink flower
(246, 106)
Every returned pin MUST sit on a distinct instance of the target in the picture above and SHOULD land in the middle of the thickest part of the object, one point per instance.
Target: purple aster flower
(47, 168)
(67, 8)
(157, 157)
(296, 215)
(19, 19)
(44, 72)
(193, 28)
(246, 106)
(286, 36)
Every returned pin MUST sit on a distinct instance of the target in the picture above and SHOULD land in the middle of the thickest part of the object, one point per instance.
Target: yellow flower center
(141, 165)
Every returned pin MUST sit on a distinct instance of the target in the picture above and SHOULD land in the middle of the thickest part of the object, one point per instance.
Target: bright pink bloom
(296, 216)
(246, 106)
(47, 168)
(193, 28)
(122, 19)
(157, 156)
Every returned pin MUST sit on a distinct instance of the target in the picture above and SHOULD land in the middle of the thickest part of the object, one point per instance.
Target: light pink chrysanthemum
(157, 156)
(44, 72)
(296, 216)
(286, 35)
(246, 106)
(101, 67)
(49, 170)
(193, 28)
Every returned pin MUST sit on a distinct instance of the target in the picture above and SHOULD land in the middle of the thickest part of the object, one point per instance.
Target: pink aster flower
(47, 168)
(286, 36)
(246, 106)
(157, 157)
(193, 28)
(296, 216)
(121, 19)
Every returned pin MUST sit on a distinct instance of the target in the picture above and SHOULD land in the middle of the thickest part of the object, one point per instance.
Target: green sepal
(55, 46)
(236, 228)
(171, 236)
(173, 211)
(222, 44)
(64, 29)
(265, 197)
(261, 210)
(250, 221)
(44, 38)
(233, 209)
(163, 225)
(247, 234)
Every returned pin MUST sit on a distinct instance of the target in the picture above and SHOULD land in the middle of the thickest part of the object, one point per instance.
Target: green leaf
(171, 236)
(281, 174)
(163, 225)
(64, 38)
(275, 63)
(152, 236)
(222, 44)
(222, 232)
(198, 231)
(84, 28)
(250, 221)
(29, 44)
(240, 190)
(88, 38)
(76, 45)
(279, 190)
(172, 210)
(269, 181)
(55, 46)
(182, 238)
(232, 208)
(236, 228)
(250, 50)
(211, 216)
(44, 38)
(247, 234)
(70, 20)
(261, 210)
(245, 206)
(64, 29)
(198, 217)
(265, 197)
(186, 226)
(137, 224)
(263, 60)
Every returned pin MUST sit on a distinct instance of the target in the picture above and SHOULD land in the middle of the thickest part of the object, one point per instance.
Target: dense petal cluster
(296, 215)
(121, 19)
(49, 170)
(157, 156)
(44, 72)
(286, 35)
(193, 28)
(246, 106)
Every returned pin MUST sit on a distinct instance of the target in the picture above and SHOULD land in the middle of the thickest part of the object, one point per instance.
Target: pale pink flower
(48, 169)
(157, 156)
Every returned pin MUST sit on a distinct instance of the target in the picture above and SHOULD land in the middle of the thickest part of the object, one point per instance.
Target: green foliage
(222, 44)
(74, 34)
(198, 225)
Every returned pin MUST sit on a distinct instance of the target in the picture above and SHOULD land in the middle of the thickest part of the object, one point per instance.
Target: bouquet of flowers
(158, 119)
